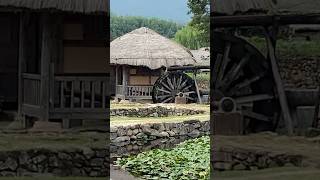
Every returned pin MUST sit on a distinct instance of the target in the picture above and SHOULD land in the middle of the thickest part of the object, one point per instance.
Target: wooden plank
(280, 89)
(82, 94)
(104, 94)
(72, 95)
(61, 94)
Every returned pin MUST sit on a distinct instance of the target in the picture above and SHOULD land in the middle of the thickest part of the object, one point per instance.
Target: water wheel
(172, 84)
(242, 73)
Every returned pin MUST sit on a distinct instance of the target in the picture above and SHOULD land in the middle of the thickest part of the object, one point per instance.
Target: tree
(190, 37)
(121, 25)
(200, 10)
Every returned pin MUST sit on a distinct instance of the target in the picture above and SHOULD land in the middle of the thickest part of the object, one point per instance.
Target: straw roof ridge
(145, 47)
(78, 6)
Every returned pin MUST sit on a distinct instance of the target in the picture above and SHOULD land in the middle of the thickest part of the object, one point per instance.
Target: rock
(39, 159)
(11, 164)
(171, 133)
(239, 166)
(129, 132)
(121, 139)
(97, 162)
(164, 134)
(135, 131)
(113, 129)
(223, 166)
(194, 133)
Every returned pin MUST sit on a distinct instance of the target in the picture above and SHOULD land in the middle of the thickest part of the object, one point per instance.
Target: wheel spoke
(179, 82)
(170, 83)
(245, 83)
(168, 99)
(256, 116)
(166, 86)
(163, 96)
(225, 61)
(216, 68)
(165, 91)
(253, 98)
(232, 75)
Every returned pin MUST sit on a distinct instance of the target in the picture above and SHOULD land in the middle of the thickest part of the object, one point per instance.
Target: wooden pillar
(23, 44)
(271, 44)
(47, 54)
(124, 80)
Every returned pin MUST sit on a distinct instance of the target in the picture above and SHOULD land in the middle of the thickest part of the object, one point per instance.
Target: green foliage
(289, 48)
(189, 160)
(190, 37)
(121, 25)
(200, 10)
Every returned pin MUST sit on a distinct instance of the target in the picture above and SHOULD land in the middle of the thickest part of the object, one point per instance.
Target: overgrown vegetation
(190, 37)
(121, 25)
(189, 160)
(290, 48)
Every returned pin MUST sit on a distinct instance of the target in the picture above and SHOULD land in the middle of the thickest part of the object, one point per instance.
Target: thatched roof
(232, 7)
(145, 47)
(202, 56)
(78, 6)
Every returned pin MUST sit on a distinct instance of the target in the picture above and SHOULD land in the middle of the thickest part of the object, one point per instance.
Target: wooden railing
(31, 89)
(80, 93)
(135, 92)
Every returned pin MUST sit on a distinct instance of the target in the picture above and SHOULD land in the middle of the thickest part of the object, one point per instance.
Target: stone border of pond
(87, 162)
(232, 158)
(132, 139)
(156, 111)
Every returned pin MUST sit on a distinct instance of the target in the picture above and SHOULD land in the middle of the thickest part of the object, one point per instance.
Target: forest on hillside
(121, 25)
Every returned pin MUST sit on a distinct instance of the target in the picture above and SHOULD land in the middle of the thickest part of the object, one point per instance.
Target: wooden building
(138, 58)
(54, 59)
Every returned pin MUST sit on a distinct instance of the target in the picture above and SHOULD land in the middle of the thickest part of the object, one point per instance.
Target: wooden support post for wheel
(271, 44)
(196, 85)
(316, 110)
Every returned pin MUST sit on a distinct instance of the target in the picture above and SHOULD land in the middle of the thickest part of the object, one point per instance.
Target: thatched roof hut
(145, 47)
(202, 56)
(77, 6)
(233, 7)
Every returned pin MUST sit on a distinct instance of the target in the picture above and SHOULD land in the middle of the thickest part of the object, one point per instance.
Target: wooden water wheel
(172, 84)
(242, 73)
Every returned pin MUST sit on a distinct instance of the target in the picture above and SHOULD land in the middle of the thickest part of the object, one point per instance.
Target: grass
(52, 141)
(285, 173)
(118, 120)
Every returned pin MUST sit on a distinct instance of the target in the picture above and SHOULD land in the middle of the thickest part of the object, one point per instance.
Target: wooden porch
(135, 92)
(71, 96)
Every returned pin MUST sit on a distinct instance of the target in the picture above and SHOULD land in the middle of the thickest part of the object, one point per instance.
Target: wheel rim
(170, 85)
(241, 72)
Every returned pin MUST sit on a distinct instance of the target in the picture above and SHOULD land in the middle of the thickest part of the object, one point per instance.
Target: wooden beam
(197, 88)
(49, 50)
(271, 44)
(263, 20)
(24, 18)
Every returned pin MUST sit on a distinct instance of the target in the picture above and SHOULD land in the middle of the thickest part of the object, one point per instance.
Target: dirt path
(117, 174)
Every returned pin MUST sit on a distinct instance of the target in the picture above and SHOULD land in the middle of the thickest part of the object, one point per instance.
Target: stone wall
(157, 111)
(300, 72)
(88, 162)
(135, 137)
(243, 159)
